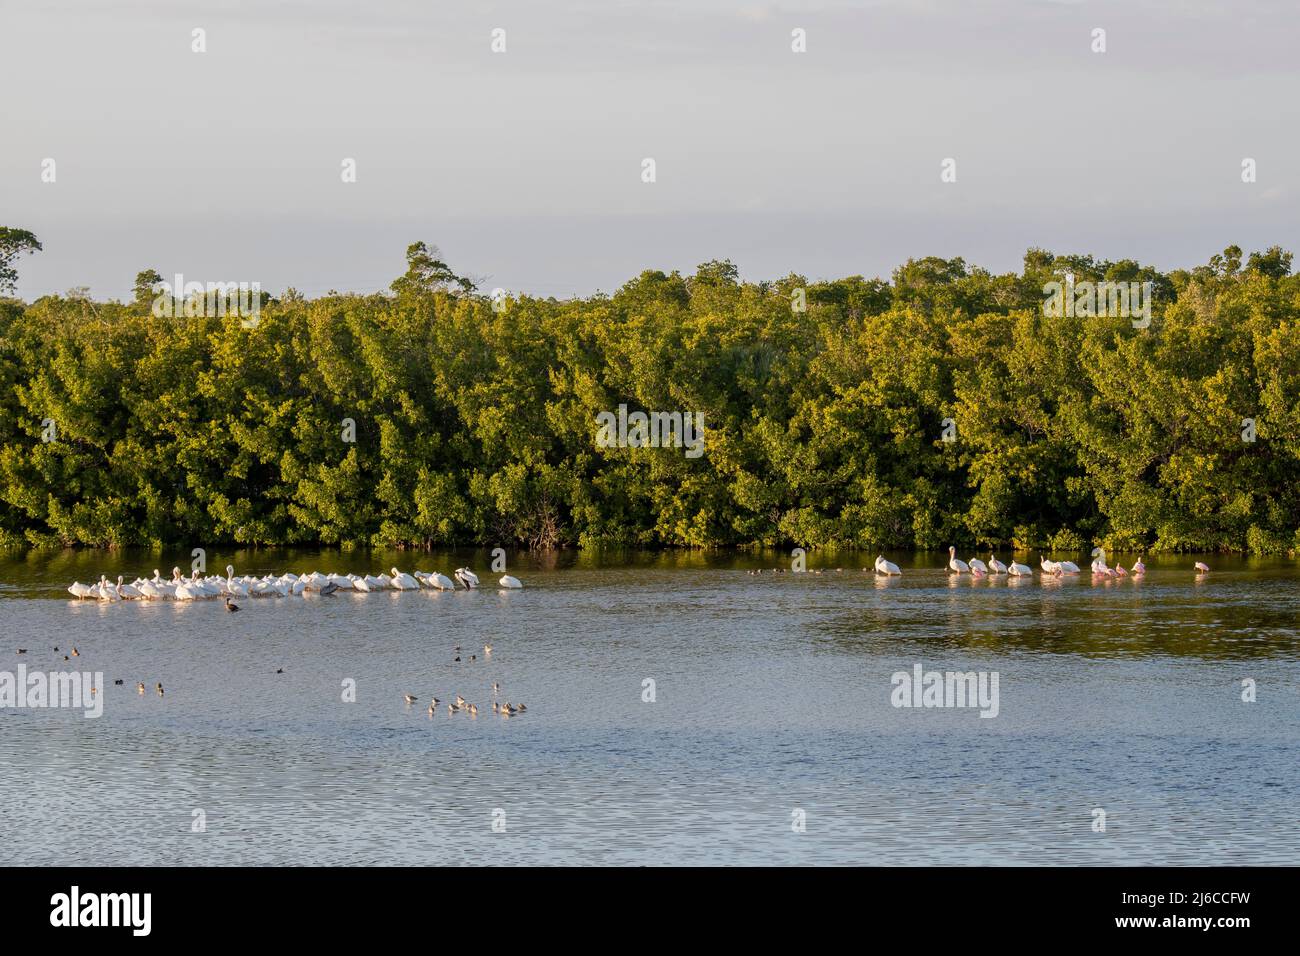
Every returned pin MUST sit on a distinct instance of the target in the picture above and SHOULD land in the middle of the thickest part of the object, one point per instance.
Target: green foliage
(14, 243)
(823, 426)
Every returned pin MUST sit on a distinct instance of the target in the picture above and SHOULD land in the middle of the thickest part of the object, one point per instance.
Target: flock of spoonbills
(197, 587)
(979, 569)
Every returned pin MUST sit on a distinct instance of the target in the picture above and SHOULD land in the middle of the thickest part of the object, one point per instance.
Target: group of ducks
(979, 569)
(197, 587)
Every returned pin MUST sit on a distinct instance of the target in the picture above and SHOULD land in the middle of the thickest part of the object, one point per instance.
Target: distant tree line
(941, 406)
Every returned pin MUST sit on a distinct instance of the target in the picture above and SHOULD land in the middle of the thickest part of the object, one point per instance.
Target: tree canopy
(435, 416)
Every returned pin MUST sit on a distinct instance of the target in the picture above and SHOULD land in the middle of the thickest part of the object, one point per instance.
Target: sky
(525, 166)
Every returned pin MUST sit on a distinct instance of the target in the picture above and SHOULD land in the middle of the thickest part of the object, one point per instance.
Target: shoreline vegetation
(945, 405)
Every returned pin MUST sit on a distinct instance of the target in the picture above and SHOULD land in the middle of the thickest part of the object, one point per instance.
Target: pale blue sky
(525, 166)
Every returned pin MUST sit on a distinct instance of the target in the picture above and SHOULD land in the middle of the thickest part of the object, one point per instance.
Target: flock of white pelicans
(198, 587)
(979, 569)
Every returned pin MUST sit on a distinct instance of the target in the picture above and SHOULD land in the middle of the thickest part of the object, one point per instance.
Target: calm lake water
(772, 695)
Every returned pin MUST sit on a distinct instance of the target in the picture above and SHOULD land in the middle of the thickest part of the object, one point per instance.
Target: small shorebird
(496, 688)
(139, 688)
(160, 690)
(22, 650)
(409, 698)
(77, 653)
(487, 650)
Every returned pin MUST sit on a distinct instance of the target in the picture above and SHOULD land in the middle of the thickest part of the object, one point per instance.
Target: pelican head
(230, 570)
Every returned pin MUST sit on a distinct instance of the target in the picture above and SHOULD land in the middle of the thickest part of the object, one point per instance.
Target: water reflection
(773, 691)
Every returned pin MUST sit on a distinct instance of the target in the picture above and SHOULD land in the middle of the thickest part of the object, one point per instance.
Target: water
(772, 696)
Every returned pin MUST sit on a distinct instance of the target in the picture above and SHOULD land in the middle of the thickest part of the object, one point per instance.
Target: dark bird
(22, 650)
(231, 607)
(160, 690)
(329, 589)
(75, 652)
(409, 698)
(279, 670)
(118, 682)
(457, 660)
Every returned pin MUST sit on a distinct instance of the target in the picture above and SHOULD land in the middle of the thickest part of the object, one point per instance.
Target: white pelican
(440, 581)
(385, 581)
(1049, 567)
(203, 588)
(359, 584)
(957, 564)
(150, 590)
(975, 564)
(1201, 567)
(128, 592)
(375, 584)
(234, 587)
(1068, 567)
(1139, 567)
(1020, 570)
(886, 567)
(106, 591)
(510, 582)
(996, 566)
(80, 591)
(404, 582)
(467, 577)
(165, 589)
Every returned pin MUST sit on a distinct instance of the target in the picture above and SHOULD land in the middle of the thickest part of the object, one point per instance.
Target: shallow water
(772, 695)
